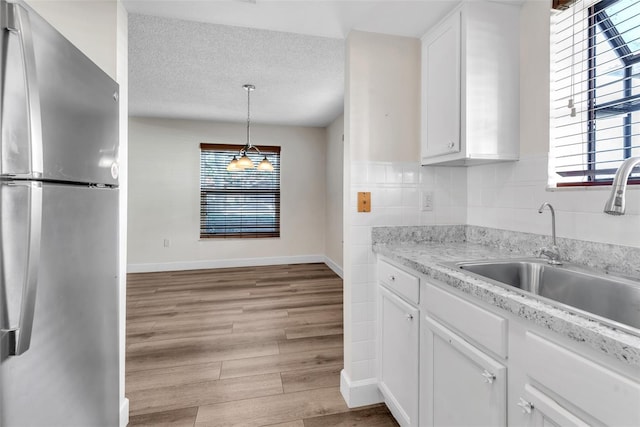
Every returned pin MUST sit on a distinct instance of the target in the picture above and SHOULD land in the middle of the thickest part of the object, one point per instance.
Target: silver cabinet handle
(392, 278)
(18, 22)
(409, 317)
(526, 407)
(489, 378)
(20, 335)
(451, 144)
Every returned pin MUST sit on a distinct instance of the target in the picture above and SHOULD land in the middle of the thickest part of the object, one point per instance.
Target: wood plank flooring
(239, 347)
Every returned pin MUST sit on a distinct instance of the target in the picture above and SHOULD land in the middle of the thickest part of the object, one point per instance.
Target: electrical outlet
(167, 243)
(427, 200)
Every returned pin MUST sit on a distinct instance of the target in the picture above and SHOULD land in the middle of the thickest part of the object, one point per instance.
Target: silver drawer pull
(409, 317)
(527, 407)
(489, 378)
(392, 278)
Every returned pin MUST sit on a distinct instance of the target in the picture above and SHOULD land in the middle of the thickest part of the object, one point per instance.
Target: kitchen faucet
(616, 202)
(553, 252)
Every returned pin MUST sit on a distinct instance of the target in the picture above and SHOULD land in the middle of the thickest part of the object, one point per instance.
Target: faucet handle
(551, 253)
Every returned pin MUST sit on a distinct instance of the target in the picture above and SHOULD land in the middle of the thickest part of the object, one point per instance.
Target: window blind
(238, 204)
(595, 96)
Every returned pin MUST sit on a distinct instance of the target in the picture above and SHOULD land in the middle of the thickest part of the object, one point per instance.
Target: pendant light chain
(245, 162)
(249, 89)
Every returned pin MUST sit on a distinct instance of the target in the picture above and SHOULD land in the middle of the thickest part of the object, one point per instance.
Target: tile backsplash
(508, 195)
(396, 195)
(501, 196)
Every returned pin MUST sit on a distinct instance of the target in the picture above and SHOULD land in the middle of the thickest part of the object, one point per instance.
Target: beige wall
(164, 198)
(384, 97)
(91, 26)
(334, 206)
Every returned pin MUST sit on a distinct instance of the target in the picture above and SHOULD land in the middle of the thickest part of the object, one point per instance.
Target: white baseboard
(224, 263)
(334, 266)
(124, 413)
(359, 393)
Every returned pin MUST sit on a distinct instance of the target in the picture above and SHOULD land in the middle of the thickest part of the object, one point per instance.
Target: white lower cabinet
(567, 389)
(445, 364)
(542, 411)
(398, 356)
(461, 385)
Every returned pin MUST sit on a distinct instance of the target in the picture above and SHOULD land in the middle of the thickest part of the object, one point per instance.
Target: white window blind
(238, 204)
(595, 90)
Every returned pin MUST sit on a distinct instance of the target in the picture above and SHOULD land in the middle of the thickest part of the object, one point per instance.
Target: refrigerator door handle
(19, 23)
(20, 336)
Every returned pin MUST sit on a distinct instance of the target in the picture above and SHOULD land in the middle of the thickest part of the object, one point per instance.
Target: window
(238, 204)
(595, 99)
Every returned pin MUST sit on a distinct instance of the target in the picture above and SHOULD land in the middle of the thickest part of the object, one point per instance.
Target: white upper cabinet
(470, 86)
(441, 89)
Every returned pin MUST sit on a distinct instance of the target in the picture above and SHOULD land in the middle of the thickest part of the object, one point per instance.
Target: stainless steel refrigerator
(58, 230)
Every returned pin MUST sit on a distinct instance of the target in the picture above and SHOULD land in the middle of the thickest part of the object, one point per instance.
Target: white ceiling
(189, 59)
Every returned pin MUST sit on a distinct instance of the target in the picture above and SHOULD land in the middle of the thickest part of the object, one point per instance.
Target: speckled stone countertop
(424, 249)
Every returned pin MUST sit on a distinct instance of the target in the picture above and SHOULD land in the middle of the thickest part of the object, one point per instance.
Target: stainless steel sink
(607, 296)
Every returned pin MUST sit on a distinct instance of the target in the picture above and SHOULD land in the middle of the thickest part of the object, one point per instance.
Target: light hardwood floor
(239, 347)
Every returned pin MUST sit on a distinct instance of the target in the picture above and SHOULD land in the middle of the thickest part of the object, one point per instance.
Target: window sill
(602, 188)
(220, 239)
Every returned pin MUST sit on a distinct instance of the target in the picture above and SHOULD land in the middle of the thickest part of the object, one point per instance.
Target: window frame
(233, 150)
(598, 17)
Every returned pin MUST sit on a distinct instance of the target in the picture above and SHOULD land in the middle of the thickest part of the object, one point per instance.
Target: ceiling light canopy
(244, 162)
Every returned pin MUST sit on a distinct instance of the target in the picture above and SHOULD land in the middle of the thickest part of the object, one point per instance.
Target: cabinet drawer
(480, 325)
(604, 394)
(399, 281)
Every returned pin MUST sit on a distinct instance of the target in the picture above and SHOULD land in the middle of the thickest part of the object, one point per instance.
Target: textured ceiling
(185, 69)
(327, 18)
(189, 59)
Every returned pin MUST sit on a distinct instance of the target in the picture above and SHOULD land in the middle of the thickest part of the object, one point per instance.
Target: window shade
(595, 97)
(238, 204)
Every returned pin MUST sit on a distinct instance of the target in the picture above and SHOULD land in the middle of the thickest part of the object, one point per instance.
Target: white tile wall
(507, 195)
(395, 200)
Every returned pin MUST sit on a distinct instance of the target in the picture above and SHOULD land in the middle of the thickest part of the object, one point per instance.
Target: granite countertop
(426, 257)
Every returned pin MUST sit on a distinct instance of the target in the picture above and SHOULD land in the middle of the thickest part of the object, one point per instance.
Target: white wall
(382, 146)
(503, 195)
(508, 195)
(91, 26)
(164, 197)
(334, 177)
(122, 77)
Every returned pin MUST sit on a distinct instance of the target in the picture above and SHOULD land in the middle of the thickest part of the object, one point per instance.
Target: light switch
(364, 201)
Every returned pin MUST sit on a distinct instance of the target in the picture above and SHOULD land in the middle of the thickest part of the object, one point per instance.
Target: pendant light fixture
(244, 162)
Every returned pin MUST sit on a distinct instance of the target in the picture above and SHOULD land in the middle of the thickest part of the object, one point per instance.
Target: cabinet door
(543, 411)
(441, 89)
(462, 386)
(398, 356)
